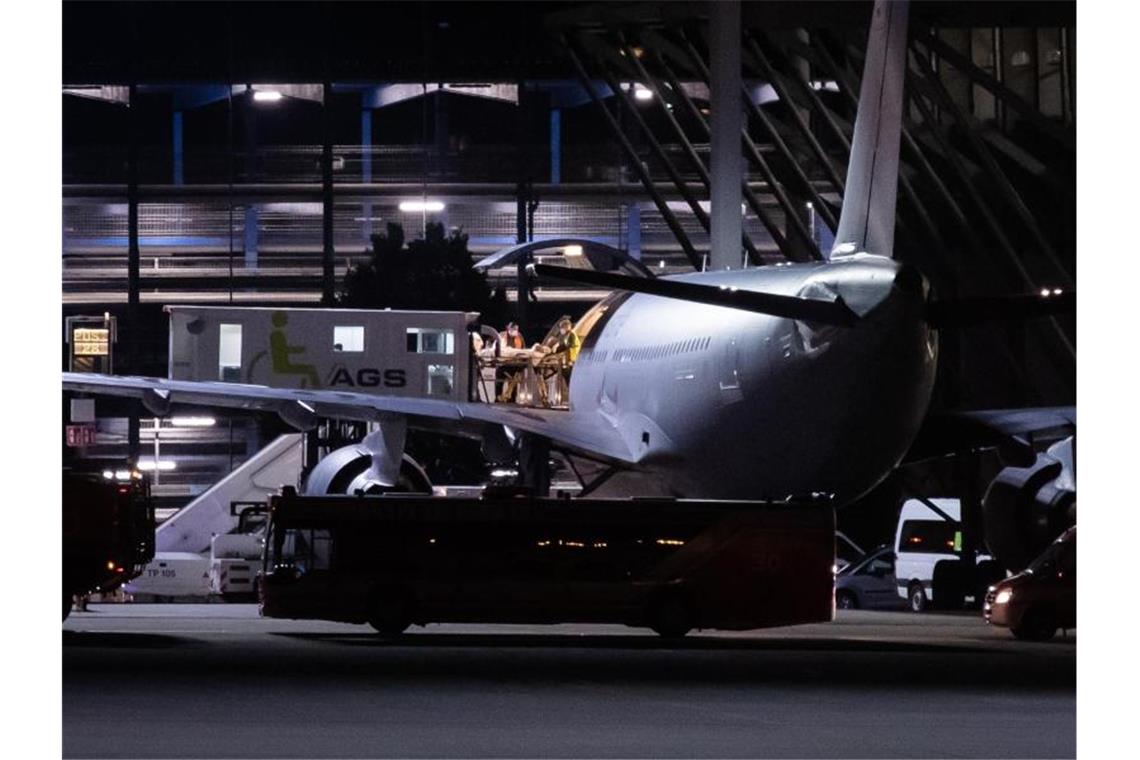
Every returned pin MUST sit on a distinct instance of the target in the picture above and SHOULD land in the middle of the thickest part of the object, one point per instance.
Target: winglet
(867, 221)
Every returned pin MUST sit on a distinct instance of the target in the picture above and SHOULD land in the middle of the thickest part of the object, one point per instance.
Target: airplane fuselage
(723, 403)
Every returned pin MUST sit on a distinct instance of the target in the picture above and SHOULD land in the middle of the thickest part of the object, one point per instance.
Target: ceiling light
(572, 250)
(267, 96)
(165, 465)
(642, 93)
(192, 421)
(409, 207)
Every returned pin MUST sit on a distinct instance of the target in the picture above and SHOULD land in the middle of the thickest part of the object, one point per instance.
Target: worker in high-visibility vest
(568, 340)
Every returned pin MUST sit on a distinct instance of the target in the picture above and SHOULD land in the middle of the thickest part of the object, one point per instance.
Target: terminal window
(441, 379)
(348, 338)
(423, 340)
(229, 352)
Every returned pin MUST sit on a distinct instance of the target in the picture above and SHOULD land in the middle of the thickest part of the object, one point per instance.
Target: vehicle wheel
(916, 597)
(670, 617)
(66, 605)
(845, 600)
(1035, 625)
(390, 613)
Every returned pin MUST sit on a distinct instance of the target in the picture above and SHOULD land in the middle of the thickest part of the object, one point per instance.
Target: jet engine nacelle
(349, 470)
(1026, 508)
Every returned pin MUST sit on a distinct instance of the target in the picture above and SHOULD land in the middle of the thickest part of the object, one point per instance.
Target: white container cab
(396, 353)
(924, 538)
(173, 574)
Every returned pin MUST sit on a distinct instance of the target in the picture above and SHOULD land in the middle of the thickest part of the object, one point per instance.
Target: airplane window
(348, 339)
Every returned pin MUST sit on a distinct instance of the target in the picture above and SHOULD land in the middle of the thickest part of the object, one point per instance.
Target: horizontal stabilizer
(790, 307)
(962, 312)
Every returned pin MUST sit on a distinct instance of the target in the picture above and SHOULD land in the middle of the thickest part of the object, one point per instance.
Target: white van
(922, 540)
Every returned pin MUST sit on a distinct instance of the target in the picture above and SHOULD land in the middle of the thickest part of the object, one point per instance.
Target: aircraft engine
(1026, 508)
(351, 469)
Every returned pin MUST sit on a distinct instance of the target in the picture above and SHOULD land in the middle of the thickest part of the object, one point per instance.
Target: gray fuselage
(723, 403)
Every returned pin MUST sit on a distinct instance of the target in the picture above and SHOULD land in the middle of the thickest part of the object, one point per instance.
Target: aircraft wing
(588, 432)
(946, 433)
(1023, 421)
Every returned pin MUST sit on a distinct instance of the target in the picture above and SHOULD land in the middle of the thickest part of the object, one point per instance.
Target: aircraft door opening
(729, 375)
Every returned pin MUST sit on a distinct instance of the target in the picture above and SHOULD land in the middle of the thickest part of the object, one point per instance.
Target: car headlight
(1003, 596)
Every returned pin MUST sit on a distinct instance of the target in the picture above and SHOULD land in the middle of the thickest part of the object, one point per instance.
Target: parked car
(869, 584)
(1042, 598)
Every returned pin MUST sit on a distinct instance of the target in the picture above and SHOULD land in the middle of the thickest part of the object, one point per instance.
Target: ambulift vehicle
(1043, 597)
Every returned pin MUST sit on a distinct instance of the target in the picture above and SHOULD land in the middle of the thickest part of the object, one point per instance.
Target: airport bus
(108, 530)
(671, 565)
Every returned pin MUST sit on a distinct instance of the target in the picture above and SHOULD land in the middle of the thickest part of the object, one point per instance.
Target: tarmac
(216, 680)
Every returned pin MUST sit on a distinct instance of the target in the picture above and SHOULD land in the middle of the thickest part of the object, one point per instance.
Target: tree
(434, 273)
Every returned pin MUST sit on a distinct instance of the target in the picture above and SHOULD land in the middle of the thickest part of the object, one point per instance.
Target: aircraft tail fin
(867, 221)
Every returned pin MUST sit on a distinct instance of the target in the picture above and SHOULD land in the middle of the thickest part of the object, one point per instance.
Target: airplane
(786, 380)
